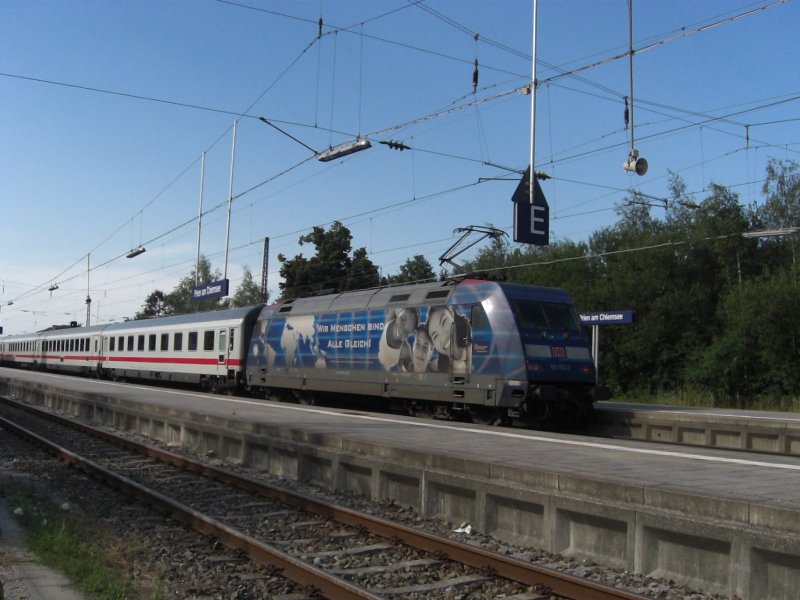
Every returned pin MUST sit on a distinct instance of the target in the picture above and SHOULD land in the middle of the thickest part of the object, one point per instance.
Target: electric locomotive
(476, 350)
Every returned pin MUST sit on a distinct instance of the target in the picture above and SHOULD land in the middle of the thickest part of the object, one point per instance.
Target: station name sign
(210, 291)
(608, 317)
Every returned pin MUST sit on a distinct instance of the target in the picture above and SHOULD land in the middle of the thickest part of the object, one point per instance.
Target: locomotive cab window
(479, 318)
(547, 315)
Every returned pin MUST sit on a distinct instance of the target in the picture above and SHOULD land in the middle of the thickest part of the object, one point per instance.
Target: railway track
(337, 551)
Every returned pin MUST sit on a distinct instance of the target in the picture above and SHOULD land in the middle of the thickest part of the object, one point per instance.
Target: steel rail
(559, 583)
(263, 554)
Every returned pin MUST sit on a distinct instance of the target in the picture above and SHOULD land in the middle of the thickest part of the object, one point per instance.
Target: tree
(331, 269)
(757, 352)
(248, 293)
(362, 274)
(415, 269)
(155, 305)
(782, 210)
(181, 297)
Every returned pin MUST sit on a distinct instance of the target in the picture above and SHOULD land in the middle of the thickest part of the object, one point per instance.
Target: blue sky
(108, 106)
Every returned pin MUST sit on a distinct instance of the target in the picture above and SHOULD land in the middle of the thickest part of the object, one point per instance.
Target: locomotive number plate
(558, 352)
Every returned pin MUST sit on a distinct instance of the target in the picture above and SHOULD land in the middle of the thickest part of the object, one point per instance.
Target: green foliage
(78, 550)
(155, 305)
(331, 269)
(715, 310)
(758, 349)
(248, 293)
(179, 301)
(414, 270)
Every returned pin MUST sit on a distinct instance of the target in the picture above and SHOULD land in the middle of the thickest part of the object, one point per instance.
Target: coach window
(121, 344)
(130, 343)
(140, 343)
(208, 340)
(192, 345)
(164, 342)
(177, 343)
(89, 344)
(81, 345)
(151, 342)
(111, 344)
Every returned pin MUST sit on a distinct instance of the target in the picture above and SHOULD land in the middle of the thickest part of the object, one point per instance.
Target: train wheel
(305, 397)
(486, 417)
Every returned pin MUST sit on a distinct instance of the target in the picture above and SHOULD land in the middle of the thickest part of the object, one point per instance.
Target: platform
(722, 521)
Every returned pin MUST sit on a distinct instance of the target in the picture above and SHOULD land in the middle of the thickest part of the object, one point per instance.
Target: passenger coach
(23, 350)
(209, 349)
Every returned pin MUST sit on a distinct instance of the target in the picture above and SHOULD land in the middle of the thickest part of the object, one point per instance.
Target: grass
(698, 399)
(86, 555)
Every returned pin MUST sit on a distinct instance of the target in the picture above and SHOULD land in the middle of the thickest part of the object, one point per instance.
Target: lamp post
(200, 218)
(230, 202)
(88, 297)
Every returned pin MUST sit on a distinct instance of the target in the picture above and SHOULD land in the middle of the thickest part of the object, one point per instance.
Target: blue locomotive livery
(478, 350)
(474, 350)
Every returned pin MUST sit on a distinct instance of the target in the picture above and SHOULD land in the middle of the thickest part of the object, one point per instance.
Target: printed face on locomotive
(440, 324)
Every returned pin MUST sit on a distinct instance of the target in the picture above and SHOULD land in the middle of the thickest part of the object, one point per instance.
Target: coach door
(222, 348)
(460, 347)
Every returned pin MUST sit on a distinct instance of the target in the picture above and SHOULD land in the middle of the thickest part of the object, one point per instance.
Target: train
(470, 349)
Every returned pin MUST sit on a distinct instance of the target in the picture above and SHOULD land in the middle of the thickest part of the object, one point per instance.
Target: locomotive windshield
(547, 315)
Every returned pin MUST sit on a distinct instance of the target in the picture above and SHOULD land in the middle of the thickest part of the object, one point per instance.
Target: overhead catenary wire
(247, 191)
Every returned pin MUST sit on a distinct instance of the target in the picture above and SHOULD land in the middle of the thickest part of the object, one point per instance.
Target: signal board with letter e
(531, 221)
